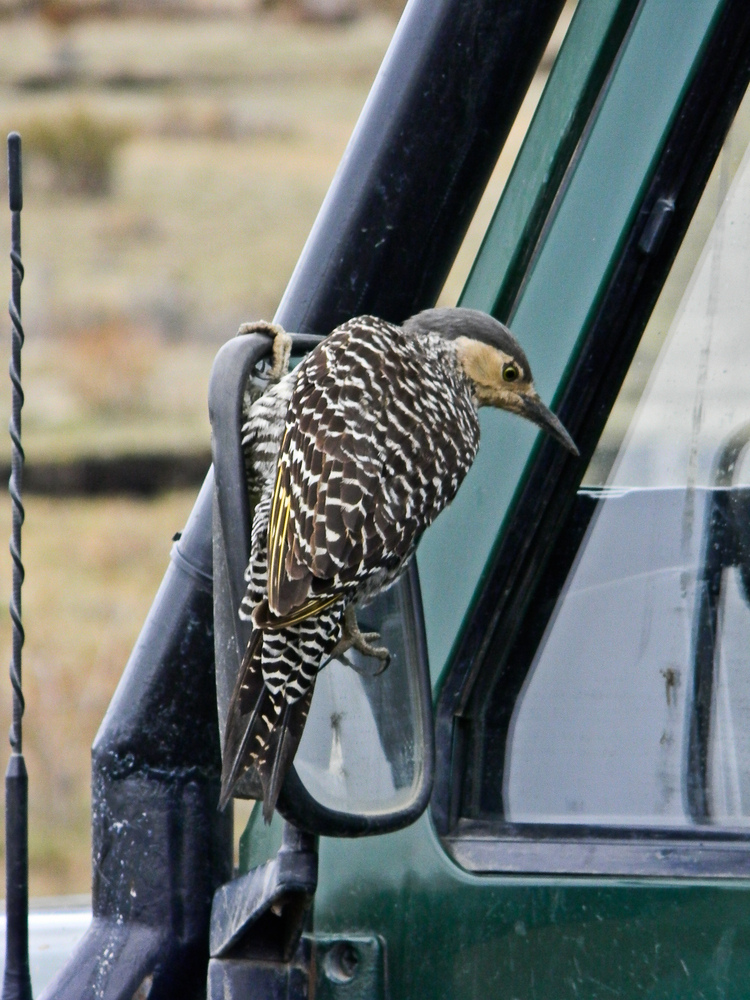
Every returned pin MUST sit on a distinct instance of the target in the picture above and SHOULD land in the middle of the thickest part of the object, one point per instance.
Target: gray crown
(453, 323)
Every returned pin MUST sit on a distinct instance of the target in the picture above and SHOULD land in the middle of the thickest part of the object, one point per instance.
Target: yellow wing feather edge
(280, 505)
(278, 527)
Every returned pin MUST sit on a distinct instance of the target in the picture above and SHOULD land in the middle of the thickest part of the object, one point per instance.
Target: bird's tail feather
(280, 749)
(248, 700)
(262, 733)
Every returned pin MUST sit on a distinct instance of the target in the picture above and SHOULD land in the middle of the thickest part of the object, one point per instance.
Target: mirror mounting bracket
(261, 914)
(256, 942)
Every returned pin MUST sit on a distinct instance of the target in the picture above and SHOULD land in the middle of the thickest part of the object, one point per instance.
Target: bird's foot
(282, 345)
(362, 642)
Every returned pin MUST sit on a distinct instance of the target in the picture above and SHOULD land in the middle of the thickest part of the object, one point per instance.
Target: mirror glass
(363, 746)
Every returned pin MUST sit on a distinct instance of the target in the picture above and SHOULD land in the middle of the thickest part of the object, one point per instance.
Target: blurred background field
(173, 169)
(175, 157)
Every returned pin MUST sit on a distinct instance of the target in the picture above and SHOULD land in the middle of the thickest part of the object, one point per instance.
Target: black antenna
(17, 979)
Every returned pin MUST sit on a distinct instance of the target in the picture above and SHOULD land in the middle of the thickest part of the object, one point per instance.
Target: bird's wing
(371, 453)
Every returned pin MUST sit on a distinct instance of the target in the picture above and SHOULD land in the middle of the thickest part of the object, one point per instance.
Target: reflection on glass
(729, 778)
(686, 389)
(605, 701)
(636, 707)
(361, 751)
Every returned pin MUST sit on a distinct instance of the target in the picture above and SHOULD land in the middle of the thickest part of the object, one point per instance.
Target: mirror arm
(272, 899)
(259, 918)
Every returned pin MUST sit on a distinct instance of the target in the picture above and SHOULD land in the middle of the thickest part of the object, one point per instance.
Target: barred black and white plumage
(351, 456)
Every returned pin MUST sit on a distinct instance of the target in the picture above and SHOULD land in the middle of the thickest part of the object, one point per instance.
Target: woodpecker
(350, 457)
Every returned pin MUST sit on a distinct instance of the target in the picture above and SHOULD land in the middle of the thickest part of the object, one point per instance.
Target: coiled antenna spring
(16, 979)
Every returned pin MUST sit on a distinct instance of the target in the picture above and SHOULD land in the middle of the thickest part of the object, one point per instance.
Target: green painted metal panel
(259, 842)
(453, 936)
(580, 65)
(601, 195)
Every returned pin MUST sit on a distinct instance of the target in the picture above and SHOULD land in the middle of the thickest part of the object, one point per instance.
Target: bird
(350, 457)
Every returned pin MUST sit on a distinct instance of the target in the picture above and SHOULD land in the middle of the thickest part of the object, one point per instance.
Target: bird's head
(494, 363)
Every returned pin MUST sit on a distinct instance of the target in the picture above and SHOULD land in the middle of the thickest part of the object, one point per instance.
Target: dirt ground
(173, 170)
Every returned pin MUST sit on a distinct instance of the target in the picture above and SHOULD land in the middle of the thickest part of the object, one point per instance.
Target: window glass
(636, 705)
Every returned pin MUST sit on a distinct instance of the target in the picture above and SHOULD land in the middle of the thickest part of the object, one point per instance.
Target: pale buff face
(498, 379)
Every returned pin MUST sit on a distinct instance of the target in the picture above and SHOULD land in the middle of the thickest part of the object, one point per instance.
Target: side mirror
(366, 760)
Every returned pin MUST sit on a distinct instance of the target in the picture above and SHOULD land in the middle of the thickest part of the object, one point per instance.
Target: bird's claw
(376, 652)
(343, 658)
(282, 345)
(362, 642)
(383, 667)
(370, 637)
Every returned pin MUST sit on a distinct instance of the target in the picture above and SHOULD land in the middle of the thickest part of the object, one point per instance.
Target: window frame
(544, 497)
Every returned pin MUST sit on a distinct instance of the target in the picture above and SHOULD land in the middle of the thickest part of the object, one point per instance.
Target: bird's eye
(510, 373)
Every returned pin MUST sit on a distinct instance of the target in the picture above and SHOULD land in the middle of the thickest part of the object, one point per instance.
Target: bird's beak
(534, 409)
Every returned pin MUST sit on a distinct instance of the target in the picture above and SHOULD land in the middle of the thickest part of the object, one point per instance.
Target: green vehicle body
(440, 931)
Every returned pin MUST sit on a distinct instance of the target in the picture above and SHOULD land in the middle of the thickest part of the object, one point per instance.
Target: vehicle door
(588, 620)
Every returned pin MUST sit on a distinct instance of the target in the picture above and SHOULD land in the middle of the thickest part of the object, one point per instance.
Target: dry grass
(222, 137)
(110, 389)
(215, 144)
(93, 567)
(77, 150)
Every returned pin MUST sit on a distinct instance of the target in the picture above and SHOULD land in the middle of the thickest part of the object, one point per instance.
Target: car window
(635, 707)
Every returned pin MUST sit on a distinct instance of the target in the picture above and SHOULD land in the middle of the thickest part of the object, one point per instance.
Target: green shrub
(79, 150)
